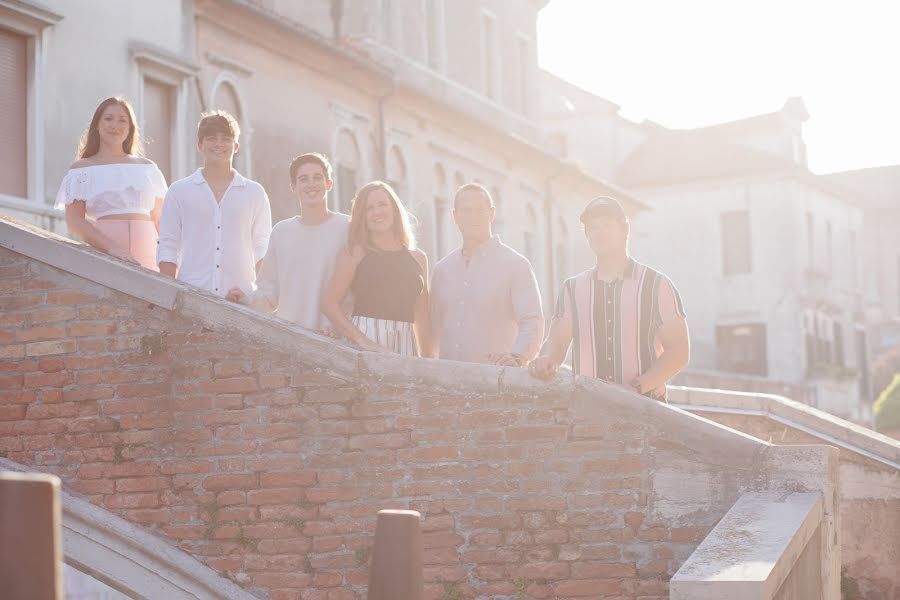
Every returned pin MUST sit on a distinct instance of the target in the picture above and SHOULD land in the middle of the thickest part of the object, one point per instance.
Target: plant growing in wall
(887, 407)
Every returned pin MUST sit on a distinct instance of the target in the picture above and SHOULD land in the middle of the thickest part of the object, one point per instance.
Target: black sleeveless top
(386, 285)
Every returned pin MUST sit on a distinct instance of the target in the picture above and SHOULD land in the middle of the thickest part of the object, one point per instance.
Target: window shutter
(13, 114)
(159, 112)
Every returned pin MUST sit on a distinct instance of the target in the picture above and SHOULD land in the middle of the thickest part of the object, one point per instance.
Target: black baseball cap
(603, 207)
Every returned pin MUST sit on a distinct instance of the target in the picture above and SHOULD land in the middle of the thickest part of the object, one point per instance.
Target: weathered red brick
(37, 380)
(287, 479)
(148, 500)
(142, 484)
(12, 413)
(588, 588)
(232, 385)
(51, 315)
(50, 347)
(70, 297)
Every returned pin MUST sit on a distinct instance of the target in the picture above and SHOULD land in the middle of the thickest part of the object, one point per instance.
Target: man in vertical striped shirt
(625, 321)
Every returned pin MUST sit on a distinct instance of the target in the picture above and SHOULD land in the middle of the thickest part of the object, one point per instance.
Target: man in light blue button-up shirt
(485, 303)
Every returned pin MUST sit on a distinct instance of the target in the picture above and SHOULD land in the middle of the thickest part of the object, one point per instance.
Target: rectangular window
(524, 76)
(346, 181)
(862, 366)
(829, 257)
(854, 266)
(162, 109)
(810, 241)
(838, 347)
(811, 349)
(434, 31)
(13, 114)
(491, 53)
(823, 350)
(742, 348)
(440, 218)
(736, 246)
(159, 117)
(389, 32)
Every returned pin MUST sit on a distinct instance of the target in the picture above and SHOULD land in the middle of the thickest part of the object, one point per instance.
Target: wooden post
(30, 539)
(396, 572)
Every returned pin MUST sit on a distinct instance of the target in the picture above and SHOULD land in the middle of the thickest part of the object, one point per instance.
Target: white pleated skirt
(394, 335)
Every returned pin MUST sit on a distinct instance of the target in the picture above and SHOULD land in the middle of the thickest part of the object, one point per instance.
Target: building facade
(60, 59)
(877, 192)
(405, 91)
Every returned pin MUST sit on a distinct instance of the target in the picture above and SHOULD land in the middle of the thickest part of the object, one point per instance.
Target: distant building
(767, 256)
(877, 193)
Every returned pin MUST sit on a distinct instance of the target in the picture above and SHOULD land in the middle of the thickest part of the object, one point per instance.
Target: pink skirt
(135, 236)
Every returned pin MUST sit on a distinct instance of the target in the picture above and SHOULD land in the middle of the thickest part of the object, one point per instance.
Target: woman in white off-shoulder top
(113, 196)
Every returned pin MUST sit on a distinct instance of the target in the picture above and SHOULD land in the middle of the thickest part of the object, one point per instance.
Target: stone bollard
(396, 572)
(30, 539)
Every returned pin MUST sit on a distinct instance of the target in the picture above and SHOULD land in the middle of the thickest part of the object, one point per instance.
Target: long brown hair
(359, 233)
(90, 139)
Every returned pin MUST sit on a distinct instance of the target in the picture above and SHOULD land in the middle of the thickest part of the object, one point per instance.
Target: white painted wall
(682, 237)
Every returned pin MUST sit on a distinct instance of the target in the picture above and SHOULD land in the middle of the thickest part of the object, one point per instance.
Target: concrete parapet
(756, 549)
(869, 473)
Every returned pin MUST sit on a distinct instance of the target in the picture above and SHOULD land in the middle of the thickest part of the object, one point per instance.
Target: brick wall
(266, 453)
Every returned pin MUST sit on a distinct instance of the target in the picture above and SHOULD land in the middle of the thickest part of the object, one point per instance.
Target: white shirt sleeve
(262, 228)
(169, 249)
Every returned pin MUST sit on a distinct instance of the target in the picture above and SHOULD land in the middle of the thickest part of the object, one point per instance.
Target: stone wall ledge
(753, 549)
(827, 427)
(333, 363)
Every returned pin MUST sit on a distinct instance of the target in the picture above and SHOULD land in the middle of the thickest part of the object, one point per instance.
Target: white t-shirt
(297, 267)
(216, 245)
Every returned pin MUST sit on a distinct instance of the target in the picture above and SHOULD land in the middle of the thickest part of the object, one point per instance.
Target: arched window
(459, 180)
(347, 170)
(441, 210)
(226, 97)
(396, 176)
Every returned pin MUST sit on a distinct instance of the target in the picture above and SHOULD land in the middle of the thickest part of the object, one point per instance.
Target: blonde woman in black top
(387, 275)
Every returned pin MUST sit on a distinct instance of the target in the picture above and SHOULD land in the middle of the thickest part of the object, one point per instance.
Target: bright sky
(689, 63)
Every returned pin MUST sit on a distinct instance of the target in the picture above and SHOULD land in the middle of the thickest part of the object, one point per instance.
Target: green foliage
(152, 345)
(297, 524)
(212, 509)
(884, 367)
(887, 407)
(242, 540)
(117, 454)
(849, 586)
(451, 591)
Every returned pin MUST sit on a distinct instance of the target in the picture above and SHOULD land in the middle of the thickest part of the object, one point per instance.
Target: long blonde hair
(359, 233)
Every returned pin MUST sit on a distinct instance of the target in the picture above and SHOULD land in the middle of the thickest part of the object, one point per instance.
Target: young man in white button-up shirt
(215, 224)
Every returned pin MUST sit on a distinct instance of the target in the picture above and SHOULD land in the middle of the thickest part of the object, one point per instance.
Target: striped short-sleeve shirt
(615, 324)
